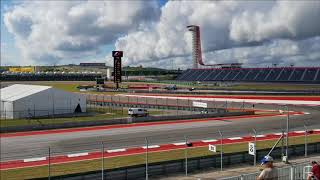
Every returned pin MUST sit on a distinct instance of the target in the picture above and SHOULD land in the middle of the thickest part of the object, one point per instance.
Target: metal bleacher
(275, 74)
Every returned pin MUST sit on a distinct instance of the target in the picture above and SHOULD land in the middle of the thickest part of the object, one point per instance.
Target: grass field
(72, 86)
(116, 162)
(93, 115)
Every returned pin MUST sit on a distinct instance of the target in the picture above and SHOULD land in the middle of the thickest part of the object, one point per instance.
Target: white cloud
(60, 30)
(254, 32)
(260, 26)
(285, 19)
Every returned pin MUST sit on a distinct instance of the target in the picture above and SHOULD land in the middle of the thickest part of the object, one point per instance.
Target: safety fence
(298, 171)
(194, 165)
(152, 158)
(97, 100)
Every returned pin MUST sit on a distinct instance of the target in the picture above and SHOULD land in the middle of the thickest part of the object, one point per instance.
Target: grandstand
(309, 75)
(233, 72)
(49, 76)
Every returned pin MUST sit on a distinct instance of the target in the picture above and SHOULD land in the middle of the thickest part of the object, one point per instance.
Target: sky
(153, 33)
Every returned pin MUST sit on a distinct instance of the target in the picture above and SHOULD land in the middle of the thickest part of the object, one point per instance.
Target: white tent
(28, 101)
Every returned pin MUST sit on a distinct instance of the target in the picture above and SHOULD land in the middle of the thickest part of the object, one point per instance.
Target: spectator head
(314, 162)
(267, 160)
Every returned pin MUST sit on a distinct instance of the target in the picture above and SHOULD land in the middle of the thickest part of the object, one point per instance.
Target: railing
(293, 172)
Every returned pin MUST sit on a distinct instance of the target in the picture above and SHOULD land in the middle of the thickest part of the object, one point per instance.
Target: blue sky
(7, 39)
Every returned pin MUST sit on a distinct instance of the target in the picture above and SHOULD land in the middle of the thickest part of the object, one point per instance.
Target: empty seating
(310, 74)
(273, 75)
(281, 74)
(262, 75)
(285, 74)
(297, 74)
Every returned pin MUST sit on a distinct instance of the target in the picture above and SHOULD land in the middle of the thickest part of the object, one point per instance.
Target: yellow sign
(22, 69)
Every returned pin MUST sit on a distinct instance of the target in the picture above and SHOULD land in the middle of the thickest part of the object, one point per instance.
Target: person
(269, 172)
(315, 171)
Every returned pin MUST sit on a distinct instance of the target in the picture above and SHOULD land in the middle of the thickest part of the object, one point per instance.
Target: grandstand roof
(18, 91)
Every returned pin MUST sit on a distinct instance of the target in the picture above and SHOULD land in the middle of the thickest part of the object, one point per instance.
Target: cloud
(252, 32)
(60, 29)
(231, 31)
(284, 20)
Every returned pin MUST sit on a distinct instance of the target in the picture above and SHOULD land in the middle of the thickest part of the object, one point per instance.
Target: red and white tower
(197, 53)
(196, 45)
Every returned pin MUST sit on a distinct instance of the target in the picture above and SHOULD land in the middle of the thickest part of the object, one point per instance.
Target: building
(29, 101)
(93, 64)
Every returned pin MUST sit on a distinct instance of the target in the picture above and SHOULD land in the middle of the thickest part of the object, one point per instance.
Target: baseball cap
(266, 159)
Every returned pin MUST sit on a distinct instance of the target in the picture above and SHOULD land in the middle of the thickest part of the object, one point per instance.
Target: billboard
(22, 69)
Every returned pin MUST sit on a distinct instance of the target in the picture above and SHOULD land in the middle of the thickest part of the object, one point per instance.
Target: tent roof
(18, 91)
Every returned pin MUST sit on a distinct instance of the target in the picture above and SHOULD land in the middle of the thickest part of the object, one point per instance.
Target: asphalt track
(30, 146)
(67, 158)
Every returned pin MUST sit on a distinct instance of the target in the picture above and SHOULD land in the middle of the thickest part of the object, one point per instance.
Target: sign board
(252, 148)
(117, 69)
(117, 54)
(117, 72)
(212, 148)
(200, 104)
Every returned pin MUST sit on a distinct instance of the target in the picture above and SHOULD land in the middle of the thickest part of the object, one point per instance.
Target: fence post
(147, 176)
(305, 141)
(186, 155)
(255, 147)
(292, 172)
(34, 110)
(221, 150)
(102, 161)
(282, 145)
(287, 137)
(243, 106)
(49, 163)
(241, 177)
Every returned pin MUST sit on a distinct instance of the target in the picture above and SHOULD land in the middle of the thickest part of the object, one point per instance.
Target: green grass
(72, 86)
(100, 114)
(116, 162)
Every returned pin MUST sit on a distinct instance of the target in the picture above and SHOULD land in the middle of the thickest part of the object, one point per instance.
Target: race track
(28, 146)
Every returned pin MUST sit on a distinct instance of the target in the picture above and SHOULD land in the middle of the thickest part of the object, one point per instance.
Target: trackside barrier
(117, 121)
(294, 172)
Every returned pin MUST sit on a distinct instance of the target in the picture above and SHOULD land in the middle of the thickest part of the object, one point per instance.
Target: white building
(27, 101)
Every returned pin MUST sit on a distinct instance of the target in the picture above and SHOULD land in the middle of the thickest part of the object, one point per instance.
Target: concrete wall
(114, 121)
